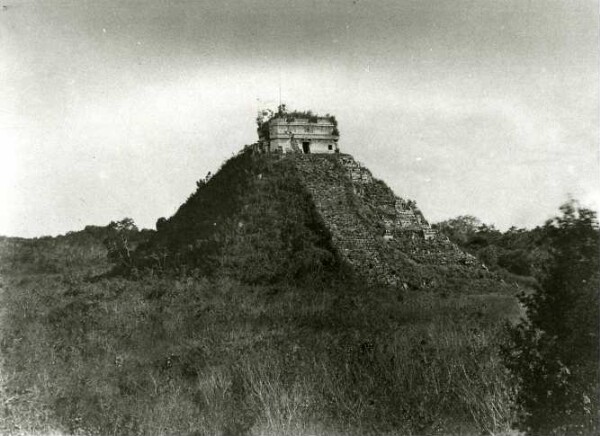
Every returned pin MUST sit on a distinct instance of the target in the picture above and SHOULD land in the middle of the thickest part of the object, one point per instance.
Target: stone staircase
(381, 235)
(334, 200)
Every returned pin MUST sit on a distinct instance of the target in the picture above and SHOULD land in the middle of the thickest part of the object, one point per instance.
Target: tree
(460, 229)
(554, 352)
(161, 223)
(118, 241)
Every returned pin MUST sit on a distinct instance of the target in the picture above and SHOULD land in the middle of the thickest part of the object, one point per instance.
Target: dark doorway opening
(306, 147)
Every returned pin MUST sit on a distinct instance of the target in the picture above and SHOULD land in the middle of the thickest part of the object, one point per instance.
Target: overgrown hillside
(253, 221)
(74, 251)
(200, 356)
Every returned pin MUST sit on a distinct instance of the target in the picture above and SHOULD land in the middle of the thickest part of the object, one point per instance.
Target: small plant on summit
(202, 182)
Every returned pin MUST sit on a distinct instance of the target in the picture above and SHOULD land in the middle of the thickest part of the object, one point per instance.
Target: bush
(554, 352)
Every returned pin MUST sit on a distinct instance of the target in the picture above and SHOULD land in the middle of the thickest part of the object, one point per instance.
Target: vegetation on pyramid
(253, 221)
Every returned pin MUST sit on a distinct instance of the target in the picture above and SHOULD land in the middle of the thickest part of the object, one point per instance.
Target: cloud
(485, 107)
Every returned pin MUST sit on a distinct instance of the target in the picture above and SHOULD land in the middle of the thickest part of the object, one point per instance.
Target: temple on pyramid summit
(296, 132)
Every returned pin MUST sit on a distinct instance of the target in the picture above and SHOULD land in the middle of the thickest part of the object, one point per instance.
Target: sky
(115, 108)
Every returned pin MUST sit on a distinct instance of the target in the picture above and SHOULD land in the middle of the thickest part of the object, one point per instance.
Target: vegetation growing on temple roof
(291, 116)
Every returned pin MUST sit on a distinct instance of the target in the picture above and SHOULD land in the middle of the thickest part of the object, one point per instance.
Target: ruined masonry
(378, 233)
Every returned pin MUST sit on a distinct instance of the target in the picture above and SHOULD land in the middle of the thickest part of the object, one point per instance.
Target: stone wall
(287, 136)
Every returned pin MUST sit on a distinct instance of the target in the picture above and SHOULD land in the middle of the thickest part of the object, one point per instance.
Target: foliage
(118, 243)
(169, 355)
(290, 116)
(252, 220)
(517, 251)
(554, 352)
(460, 229)
(264, 129)
(76, 250)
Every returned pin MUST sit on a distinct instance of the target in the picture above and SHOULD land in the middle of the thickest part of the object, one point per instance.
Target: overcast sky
(114, 108)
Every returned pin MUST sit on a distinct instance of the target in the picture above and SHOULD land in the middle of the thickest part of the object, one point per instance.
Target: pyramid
(266, 218)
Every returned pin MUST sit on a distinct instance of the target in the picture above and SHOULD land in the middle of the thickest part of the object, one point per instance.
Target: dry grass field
(181, 355)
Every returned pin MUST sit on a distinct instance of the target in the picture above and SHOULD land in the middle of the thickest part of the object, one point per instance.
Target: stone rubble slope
(380, 234)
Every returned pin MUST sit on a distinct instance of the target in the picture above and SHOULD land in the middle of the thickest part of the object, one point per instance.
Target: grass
(196, 356)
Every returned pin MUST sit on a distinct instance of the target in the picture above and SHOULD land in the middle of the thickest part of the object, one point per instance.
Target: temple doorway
(306, 147)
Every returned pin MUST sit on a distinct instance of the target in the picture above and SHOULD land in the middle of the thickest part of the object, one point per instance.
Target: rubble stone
(373, 229)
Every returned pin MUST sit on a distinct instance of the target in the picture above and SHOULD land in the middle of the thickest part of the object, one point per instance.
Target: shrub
(554, 352)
